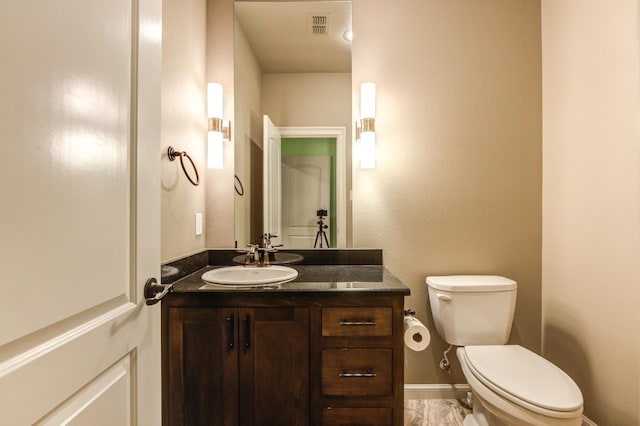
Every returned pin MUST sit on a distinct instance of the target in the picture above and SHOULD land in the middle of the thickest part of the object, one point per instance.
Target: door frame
(340, 134)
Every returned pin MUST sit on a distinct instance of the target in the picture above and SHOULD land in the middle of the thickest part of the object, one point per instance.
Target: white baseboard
(435, 391)
(586, 421)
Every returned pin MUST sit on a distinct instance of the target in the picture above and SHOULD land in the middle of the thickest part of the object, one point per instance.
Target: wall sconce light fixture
(365, 126)
(219, 129)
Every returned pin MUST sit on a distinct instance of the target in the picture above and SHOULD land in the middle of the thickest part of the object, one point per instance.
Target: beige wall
(457, 188)
(591, 215)
(183, 123)
(313, 99)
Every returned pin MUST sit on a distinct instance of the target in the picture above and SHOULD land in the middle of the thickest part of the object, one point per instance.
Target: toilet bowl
(514, 386)
(511, 385)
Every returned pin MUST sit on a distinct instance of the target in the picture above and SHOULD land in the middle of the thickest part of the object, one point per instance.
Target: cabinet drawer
(357, 372)
(356, 321)
(356, 416)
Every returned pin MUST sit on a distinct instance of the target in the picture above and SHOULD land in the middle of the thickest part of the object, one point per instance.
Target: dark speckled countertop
(336, 270)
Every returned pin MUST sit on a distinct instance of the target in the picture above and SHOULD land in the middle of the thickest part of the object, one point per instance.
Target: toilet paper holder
(416, 335)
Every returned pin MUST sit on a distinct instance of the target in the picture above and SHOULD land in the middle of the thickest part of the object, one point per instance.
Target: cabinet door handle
(357, 323)
(230, 333)
(246, 327)
(368, 374)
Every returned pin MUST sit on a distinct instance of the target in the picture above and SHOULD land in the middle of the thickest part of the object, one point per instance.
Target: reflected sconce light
(219, 129)
(365, 126)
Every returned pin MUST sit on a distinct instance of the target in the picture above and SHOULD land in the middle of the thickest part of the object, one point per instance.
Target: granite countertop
(311, 278)
(340, 271)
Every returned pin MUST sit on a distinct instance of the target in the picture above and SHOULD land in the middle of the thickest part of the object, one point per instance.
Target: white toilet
(510, 384)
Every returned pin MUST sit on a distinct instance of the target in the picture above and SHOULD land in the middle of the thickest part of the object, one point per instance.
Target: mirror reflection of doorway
(308, 186)
(310, 141)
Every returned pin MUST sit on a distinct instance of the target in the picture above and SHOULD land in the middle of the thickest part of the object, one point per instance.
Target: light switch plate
(198, 224)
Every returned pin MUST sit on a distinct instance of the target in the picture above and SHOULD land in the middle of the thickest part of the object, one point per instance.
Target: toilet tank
(472, 309)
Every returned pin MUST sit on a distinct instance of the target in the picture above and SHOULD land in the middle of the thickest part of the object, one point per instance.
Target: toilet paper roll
(416, 335)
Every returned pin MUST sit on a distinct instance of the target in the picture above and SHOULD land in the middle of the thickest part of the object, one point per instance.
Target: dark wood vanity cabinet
(282, 359)
(231, 366)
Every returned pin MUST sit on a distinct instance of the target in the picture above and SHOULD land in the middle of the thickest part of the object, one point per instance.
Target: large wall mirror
(293, 65)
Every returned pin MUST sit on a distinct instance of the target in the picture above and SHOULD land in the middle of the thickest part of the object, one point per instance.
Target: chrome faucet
(268, 247)
(256, 256)
(252, 254)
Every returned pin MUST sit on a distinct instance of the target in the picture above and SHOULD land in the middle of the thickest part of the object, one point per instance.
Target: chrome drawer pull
(369, 373)
(352, 323)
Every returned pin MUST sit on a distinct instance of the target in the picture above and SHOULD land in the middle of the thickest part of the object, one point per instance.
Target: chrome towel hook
(172, 154)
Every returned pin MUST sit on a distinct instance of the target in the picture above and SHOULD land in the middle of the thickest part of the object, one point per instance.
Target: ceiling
(281, 35)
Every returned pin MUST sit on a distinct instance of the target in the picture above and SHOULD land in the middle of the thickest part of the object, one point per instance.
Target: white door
(306, 188)
(272, 181)
(80, 196)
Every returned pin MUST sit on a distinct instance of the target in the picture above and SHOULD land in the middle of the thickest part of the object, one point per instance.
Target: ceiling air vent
(318, 25)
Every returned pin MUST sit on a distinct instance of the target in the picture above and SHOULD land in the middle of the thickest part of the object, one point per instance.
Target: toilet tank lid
(471, 283)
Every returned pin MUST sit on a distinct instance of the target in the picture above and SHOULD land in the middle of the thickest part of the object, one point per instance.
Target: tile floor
(433, 412)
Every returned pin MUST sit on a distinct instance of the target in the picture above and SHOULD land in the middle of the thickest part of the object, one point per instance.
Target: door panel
(306, 188)
(80, 229)
(107, 394)
(68, 180)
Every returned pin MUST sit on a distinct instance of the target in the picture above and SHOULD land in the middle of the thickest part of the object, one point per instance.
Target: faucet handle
(251, 253)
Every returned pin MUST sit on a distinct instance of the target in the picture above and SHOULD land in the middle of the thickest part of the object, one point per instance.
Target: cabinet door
(203, 366)
(274, 366)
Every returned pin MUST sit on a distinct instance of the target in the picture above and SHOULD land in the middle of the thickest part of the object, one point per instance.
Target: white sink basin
(250, 275)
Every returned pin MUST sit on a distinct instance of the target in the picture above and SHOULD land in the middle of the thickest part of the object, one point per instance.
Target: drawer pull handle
(247, 329)
(369, 373)
(230, 333)
(357, 323)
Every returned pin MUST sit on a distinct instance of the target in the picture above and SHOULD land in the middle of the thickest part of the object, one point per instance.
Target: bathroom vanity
(325, 349)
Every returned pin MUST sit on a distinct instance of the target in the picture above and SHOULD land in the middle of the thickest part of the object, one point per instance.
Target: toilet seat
(524, 378)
